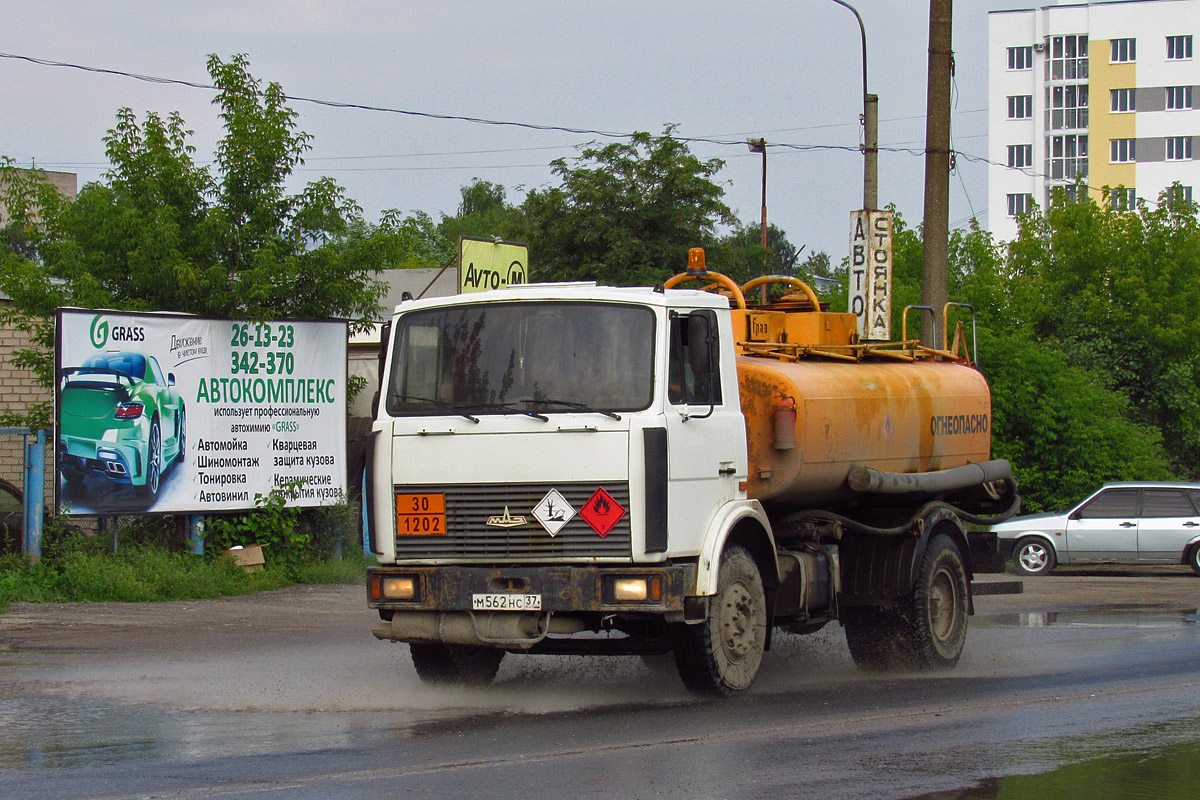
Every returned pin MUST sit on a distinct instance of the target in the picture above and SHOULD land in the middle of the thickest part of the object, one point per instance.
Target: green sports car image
(119, 417)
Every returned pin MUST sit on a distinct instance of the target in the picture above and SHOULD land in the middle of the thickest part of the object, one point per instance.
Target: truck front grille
(469, 537)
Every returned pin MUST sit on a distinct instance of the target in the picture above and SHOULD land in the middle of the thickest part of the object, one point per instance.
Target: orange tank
(894, 416)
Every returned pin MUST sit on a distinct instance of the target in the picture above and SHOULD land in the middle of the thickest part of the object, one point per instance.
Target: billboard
(171, 413)
(490, 264)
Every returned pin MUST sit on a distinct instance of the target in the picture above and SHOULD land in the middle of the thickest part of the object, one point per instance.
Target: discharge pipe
(865, 479)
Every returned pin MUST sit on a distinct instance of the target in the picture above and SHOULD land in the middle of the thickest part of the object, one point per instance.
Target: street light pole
(760, 146)
(870, 125)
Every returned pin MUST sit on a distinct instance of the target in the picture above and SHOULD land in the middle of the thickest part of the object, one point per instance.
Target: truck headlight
(639, 589)
(400, 588)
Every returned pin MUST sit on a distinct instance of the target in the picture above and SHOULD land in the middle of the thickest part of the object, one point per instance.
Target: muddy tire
(926, 629)
(455, 665)
(871, 637)
(1193, 559)
(936, 611)
(1033, 556)
(720, 657)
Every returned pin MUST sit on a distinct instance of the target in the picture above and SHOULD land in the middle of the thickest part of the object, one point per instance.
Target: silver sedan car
(1122, 523)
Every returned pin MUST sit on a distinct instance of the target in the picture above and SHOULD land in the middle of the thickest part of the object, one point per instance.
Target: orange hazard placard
(421, 514)
(602, 512)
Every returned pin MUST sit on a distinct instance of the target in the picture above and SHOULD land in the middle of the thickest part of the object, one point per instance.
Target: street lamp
(760, 146)
(870, 126)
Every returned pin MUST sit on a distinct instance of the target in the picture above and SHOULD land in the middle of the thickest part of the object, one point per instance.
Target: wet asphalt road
(288, 696)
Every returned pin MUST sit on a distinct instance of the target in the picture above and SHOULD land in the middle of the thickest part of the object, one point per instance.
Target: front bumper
(563, 589)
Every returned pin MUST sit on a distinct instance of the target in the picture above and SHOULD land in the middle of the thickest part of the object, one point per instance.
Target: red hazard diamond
(602, 512)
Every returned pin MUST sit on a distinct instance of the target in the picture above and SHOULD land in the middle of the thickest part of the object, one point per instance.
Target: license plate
(506, 602)
(421, 514)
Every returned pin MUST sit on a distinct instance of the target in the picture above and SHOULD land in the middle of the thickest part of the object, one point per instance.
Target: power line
(456, 117)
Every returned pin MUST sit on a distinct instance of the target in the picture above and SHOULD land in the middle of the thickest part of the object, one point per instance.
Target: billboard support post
(35, 478)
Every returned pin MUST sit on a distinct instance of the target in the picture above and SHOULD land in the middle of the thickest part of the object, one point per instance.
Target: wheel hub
(737, 631)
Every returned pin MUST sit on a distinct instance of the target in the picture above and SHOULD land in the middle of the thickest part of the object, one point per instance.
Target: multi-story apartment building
(1100, 93)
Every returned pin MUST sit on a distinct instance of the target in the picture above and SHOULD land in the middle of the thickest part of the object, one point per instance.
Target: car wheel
(181, 436)
(1194, 559)
(1032, 556)
(153, 463)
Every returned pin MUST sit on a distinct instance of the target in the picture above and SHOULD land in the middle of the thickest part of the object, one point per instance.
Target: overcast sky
(786, 70)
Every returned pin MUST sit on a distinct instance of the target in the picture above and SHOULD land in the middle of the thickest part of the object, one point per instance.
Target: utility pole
(936, 247)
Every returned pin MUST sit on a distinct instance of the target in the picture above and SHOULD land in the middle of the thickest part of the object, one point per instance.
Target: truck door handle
(727, 471)
(1126, 524)
(1190, 524)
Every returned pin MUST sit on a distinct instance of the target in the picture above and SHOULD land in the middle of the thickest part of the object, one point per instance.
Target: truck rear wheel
(455, 665)
(926, 629)
(936, 609)
(721, 656)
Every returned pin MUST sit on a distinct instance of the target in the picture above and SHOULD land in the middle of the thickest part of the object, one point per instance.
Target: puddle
(1090, 619)
(1171, 772)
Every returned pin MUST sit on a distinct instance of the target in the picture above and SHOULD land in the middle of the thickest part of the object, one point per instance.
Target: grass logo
(99, 332)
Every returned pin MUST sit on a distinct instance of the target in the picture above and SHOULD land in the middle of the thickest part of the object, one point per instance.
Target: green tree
(741, 255)
(625, 213)
(163, 233)
(484, 212)
(1117, 292)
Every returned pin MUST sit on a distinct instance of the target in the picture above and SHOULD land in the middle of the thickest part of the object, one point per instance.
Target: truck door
(1168, 522)
(1105, 528)
(705, 430)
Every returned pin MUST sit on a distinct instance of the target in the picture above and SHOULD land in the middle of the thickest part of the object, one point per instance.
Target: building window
(1123, 51)
(1123, 198)
(1179, 98)
(1020, 57)
(1179, 148)
(1123, 100)
(1067, 157)
(1020, 106)
(1124, 151)
(1020, 155)
(1068, 58)
(1019, 204)
(1179, 48)
(1179, 196)
(1067, 107)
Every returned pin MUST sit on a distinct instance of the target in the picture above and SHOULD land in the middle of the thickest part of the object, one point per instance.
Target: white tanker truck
(573, 468)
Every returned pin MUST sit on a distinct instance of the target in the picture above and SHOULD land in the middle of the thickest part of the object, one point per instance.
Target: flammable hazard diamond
(602, 512)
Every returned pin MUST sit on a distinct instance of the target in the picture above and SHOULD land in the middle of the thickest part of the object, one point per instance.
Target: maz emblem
(506, 520)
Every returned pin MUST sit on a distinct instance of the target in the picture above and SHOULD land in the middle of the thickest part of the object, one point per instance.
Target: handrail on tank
(716, 277)
(904, 321)
(790, 279)
(946, 329)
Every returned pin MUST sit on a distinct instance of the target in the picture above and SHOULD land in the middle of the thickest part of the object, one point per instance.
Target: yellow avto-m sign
(485, 264)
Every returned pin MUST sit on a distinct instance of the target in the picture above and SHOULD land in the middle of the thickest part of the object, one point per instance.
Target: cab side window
(693, 370)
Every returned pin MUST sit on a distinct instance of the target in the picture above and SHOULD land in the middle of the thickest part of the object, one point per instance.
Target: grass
(82, 570)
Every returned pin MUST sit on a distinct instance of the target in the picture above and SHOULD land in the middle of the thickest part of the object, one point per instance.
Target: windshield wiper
(438, 403)
(571, 404)
(508, 408)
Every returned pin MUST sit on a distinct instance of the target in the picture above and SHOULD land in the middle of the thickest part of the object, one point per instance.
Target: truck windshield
(521, 357)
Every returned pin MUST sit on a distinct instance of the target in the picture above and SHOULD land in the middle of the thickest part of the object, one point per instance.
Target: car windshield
(132, 365)
(522, 357)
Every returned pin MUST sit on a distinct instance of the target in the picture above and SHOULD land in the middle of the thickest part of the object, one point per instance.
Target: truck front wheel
(455, 665)
(721, 656)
